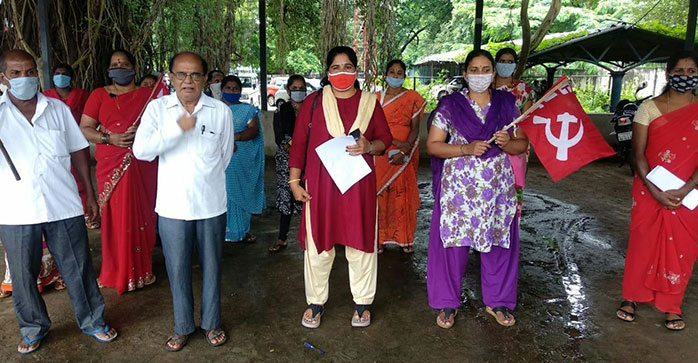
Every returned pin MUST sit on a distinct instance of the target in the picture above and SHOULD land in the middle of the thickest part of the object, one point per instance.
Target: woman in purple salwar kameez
(474, 194)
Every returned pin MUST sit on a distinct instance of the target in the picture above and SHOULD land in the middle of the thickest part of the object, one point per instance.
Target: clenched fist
(186, 122)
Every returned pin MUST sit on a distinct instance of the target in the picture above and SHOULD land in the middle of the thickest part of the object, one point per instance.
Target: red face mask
(342, 81)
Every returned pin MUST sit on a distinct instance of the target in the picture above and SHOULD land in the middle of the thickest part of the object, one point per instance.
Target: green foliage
(660, 27)
(548, 43)
(205, 28)
(418, 22)
(296, 26)
(301, 61)
(670, 12)
(593, 101)
(596, 101)
(502, 23)
(425, 89)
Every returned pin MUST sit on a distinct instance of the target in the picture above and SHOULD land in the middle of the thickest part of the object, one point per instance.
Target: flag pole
(533, 107)
(9, 161)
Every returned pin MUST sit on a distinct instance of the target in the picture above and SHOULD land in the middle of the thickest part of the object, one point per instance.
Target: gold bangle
(462, 153)
(293, 181)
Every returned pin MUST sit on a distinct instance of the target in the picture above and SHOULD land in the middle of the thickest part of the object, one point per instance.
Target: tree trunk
(334, 24)
(529, 43)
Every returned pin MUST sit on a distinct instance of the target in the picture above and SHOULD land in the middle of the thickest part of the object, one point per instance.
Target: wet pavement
(573, 239)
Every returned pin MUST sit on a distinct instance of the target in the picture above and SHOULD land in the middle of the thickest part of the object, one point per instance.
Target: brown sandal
(449, 318)
(278, 246)
(505, 311)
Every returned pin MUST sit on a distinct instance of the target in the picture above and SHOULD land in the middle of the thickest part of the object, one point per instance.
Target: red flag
(562, 134)
(160, 88)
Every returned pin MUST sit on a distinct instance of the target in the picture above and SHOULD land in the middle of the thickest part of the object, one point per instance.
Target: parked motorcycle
(623, 126)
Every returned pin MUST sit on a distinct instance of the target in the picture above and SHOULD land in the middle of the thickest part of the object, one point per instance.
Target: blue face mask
(232, 97)
(61, 80)
(24, 88)
(505, 69)
(394, 82)
(298, 96)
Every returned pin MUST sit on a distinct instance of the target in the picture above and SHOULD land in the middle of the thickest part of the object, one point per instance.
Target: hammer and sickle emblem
(563, 142)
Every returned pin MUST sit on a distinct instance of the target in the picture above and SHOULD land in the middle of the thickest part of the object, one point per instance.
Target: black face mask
(681, 83)
(122, 76)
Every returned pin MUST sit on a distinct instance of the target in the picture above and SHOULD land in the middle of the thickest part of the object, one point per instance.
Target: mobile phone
(356, 134)
(395, 152)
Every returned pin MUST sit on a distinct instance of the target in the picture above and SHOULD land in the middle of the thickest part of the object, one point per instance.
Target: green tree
(417, 19)
(301, 61)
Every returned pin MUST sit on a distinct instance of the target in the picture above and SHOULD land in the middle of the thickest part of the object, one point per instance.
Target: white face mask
(479, 82)
(215, 90)
(297, 96)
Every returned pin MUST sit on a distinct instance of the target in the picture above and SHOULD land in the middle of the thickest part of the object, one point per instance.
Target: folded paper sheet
(666, 180)
(345, 170)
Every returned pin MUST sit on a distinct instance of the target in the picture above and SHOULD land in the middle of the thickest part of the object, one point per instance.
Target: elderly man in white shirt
(192, 136)
(42, 138)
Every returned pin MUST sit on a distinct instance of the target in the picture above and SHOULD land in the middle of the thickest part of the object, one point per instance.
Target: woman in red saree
(75, 98)
(126, 186)
(663, 233)
(396, 170)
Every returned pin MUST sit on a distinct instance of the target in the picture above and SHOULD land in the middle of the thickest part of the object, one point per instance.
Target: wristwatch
(105, 138)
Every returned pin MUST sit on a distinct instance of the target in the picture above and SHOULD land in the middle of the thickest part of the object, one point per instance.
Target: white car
(282, 96)
(454, 85)
(250, 89)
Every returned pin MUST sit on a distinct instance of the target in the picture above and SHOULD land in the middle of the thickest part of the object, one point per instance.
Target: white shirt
(40, 150)
(191, 166)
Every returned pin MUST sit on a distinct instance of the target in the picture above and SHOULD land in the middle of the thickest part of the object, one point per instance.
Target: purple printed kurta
(474, 205)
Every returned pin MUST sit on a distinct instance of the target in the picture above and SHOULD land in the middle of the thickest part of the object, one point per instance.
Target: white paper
(345, 170)
(666, 180)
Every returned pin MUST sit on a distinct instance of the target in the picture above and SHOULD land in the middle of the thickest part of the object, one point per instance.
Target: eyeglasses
(195, 76)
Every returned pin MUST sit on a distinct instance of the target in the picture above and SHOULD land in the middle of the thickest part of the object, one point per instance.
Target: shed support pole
(616, 88)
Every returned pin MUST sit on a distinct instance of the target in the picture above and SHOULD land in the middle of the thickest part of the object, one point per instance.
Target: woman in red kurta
(332, 217)
(663, 232)
(126, 185)
(75, 98)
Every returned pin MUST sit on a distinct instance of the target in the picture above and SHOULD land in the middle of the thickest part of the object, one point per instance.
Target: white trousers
(363, 270)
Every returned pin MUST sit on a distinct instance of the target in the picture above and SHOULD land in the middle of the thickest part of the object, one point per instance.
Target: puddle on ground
(556, 239)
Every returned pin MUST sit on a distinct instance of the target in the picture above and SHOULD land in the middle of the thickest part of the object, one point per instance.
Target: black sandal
(180, 340)
(672, 321)
(358, 314)
(278, 246)
(249, 238)
(626, 303)
(315, 310)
